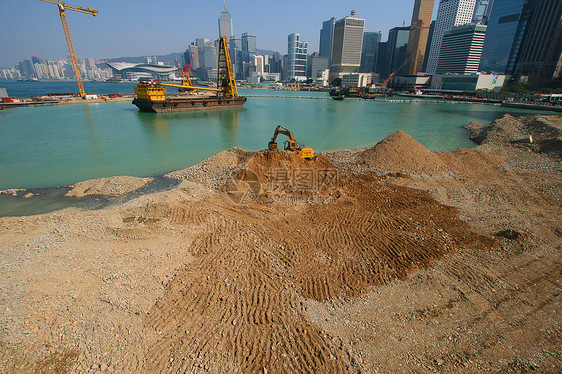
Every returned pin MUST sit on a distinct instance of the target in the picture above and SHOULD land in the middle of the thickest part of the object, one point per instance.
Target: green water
(59, 145)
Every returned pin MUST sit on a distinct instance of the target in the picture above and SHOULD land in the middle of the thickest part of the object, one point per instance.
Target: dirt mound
(112, 187)
(546, 133)
(239, 306)
(215, 171)
(269, 173)
(400, 152)
(464, 161)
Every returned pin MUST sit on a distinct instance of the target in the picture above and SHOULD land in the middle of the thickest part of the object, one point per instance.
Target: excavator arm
(291, 143)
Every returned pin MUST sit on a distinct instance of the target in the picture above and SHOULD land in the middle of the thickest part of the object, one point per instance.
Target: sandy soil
(387, 259)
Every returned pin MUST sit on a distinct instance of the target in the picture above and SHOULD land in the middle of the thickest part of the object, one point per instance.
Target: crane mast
(73, 59)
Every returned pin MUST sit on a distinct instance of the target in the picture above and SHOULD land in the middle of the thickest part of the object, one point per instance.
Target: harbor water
(59, 145)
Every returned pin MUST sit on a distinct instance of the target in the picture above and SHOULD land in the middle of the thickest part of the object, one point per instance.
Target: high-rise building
(225, 23)
(249, 43)
(318, 64)
(398, 49)
(382, 64)
(347, 43)
(419, 32)
(235, 47)
(297, 53)
(450, 13)
(370, 41)
(461, 49)
(540, 54)
(506, 27)
(428, 46)
(326, 38)
(482, 11)
(27, 69)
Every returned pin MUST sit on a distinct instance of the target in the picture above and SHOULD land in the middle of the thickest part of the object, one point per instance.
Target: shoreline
(163, 179)
(393, 259)
(106, 98)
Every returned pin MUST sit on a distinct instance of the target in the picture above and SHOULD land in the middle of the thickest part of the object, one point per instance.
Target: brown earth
(112, 187)
(424, 262)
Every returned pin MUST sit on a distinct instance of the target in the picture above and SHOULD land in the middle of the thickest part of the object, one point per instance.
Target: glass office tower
(506, 28)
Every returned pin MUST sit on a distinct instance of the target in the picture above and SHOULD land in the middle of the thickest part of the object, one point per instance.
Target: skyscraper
(326, 38)
(450, 13)
(225, 23)
(370, 41)
(419, 31)
(461, 49)
(397, 48)
(249, 43)
(540, 54)
(506, 27)
(428, 46)
(347, 44)
(297, 53)
(235, 47)
(382, 60)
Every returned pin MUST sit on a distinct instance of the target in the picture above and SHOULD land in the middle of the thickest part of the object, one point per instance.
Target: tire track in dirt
(238, 306)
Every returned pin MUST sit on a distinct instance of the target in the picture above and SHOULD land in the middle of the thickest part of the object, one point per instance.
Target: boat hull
(187, 104)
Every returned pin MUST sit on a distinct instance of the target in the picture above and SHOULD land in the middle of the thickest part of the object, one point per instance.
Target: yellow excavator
(291, 144)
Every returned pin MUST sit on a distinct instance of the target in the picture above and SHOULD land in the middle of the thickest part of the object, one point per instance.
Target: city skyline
(118, 29)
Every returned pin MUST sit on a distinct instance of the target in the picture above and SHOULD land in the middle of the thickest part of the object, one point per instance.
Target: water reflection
(155, 123)
(227, 121)
(483, 116)
(90, 123)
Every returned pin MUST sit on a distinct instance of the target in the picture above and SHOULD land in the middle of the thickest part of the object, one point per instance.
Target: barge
(151, 96)
(182, 102)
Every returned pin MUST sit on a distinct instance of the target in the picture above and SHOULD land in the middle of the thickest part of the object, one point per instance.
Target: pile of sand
(546, 133)
(269, 173)
(215, 171)
(264, 163)
(112, 187)
(400, 152)
(462, 160)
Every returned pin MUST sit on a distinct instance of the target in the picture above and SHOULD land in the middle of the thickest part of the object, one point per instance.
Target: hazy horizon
(145, 27)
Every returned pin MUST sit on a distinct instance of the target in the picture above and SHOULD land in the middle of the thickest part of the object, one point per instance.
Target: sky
(150, 27)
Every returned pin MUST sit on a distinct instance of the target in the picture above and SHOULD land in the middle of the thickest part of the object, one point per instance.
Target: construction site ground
(381, 260)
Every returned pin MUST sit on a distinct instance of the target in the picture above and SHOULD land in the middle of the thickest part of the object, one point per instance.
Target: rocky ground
(386, 259)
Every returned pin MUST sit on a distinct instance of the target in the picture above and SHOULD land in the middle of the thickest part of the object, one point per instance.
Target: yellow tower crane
(62, 8)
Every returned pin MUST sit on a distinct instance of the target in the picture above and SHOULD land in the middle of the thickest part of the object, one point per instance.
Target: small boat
(338, 97)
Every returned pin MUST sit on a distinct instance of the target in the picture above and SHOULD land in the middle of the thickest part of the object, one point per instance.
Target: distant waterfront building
(419, 32)
(131, 71)
(297, 55)
(506, 27)
(461, 49)
(225, 23)
(326, 38)
(347, 43)
(398, 49)
(450, 13)
(318, 65)
(368, 52)
(350, 79)
(471, 82)
(540, 54)
(27, 69)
